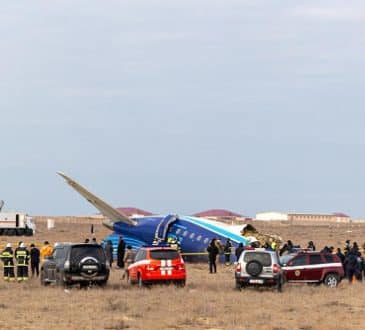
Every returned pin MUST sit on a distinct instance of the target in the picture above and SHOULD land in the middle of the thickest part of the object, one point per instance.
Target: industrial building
(303, 217)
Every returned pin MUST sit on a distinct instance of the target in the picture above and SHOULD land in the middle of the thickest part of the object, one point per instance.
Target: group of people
(20, 259)
(125, 255)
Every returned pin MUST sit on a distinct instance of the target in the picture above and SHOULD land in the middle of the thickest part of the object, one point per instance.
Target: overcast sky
(183, 106)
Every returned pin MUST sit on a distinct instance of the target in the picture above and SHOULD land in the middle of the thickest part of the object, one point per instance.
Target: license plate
(257, 281)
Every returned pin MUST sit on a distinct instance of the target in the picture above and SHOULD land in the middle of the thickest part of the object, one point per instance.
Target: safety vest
(7, 258)
(22, 257)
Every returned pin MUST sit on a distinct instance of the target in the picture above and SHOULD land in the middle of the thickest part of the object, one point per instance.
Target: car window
(141, 254)
(87, 250)
(315, 259)
(59, 253)
(285, 259)
(329, 258)
(298, 261)
(164, 254)
(263, 258)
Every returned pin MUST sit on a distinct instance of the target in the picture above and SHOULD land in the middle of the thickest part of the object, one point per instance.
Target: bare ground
(207, 302)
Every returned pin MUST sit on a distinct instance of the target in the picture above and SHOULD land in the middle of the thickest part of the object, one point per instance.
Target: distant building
(303, 217)
(222, 216)
(272, 216)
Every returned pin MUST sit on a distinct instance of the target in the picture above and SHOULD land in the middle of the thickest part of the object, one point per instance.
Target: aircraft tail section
(111, 213)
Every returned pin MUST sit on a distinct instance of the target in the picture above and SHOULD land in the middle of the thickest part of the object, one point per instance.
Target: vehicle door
(136, 266)
(294, 270)
(313, 271)
(52, 264)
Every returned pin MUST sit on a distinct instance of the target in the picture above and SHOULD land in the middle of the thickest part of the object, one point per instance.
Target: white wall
(269, 216)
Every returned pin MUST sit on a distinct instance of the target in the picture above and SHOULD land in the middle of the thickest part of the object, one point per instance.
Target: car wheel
(43, 279)
(254, 268)
(180, 284)
(331, 280)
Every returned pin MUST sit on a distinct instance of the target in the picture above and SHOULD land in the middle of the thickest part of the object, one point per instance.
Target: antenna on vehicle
(1, 204)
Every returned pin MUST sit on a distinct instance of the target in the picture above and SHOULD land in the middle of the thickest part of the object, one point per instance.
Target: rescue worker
(273, 245)
(212, 256)
(34, 260)
(128, 260)
(227, 252)
(7, 258)
(172, 241)
(22, 262)
(46, 250)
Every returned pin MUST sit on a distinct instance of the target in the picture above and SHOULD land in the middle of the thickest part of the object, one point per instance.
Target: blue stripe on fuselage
(218, 230)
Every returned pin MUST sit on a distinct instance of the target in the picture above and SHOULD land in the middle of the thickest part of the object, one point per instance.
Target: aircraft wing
(108, 211)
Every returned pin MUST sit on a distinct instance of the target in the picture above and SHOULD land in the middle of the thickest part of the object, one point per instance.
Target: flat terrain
(207, 302)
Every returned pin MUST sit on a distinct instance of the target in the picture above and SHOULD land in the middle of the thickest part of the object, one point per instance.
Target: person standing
(128, 260)
(46, 250)
(239, 250)
(7, 256)
(120, 252)
(227, 251)
(34, 260)
(212, 256)
(109, 252)
(22, 262)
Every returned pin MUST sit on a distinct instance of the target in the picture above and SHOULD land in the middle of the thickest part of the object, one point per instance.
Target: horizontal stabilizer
(108, 211)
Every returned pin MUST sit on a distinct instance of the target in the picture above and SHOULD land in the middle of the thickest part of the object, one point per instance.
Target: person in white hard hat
(7, 257)
(22, 262)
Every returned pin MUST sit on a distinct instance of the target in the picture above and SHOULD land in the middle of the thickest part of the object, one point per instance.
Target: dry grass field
(207, 302)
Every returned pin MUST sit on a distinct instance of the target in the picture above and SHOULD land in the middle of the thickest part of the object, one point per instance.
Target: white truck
(14, 223)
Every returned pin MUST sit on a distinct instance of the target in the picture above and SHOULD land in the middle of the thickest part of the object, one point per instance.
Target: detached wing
(108, 211)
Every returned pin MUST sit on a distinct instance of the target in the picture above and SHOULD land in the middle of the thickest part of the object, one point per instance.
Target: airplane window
(206, 241)
(199, 238)
(192, 235)
(185, 233)
(178, 231)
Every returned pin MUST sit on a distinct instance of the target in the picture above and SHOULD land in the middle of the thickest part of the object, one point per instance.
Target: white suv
(259, 267)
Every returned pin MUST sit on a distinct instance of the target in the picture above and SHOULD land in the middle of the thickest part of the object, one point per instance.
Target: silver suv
(259, 267)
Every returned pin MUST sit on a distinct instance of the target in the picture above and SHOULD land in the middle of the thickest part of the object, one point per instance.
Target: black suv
(75, 263)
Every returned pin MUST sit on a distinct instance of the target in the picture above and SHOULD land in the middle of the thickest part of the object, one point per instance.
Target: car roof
(157, 248)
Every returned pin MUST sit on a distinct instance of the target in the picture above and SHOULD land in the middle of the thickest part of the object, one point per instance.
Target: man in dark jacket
(227, 251)
(212, 256)
(120, 252)
(351, 265)
(34, 260)
(239, 250)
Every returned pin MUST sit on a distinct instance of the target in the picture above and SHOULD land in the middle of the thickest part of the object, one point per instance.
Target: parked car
(314, 267)
(75, 263)
(157, 265)
(258, 267)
